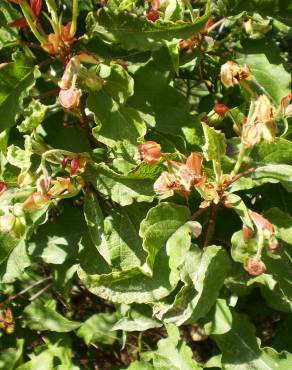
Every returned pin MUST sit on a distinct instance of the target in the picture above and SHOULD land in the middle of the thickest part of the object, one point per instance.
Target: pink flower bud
(247, 233)
(255, 266)
(221, 109)
(150, 152)
(70, 98)
(7, 222)
(3, 187)
(261, 222)
(36, 201)
(152, 15)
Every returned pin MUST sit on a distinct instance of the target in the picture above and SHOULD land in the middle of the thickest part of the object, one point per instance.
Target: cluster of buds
(265, 236)
(69, 95)
(57, 43)
(183, 177)
(261, 125)
(232, 74)
(75, 164)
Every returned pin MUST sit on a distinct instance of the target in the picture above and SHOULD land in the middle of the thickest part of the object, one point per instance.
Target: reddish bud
(36, 201)
(247, 233)
(36, 6)
(3, 187)
(70, 98)
(150, 151)
(66, 34)
(65, 162)
(19, 23)
(255, 266)
(261, 222)
(221, 109)
(152, 15)
(75, 163)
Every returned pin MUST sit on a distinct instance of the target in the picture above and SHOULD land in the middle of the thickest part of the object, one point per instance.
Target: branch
(211, 226)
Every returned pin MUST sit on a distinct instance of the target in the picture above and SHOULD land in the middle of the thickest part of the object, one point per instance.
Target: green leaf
(16, 79)
(40, 316)
(7, 244)
(34, 115)
(11, 356)
(118, 83)
(136, 318)
(220, 319)
(15, 264)
(123, 189)
(283, 223)
(240, 208)
(98, 329)
(272, 173)
(95, 222)
(166, 227)
(8, 35)
(241, 348)
(268, 7)
(117, 236)
(173, 353)
(137, 283)
(207, 271)
(215, 146)
(118, 127)
(58, 240)
(140, 365)
(273, 78)
(137, 32)
(279, 152)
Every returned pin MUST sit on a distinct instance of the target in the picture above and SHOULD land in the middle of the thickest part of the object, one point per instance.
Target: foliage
(145, 184)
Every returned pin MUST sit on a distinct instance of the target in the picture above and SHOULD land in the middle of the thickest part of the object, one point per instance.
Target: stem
(191, 10)
(31, 19)
(73, 27)
(235, 178)
(11, 298)
(215, 25)
(211, 226)
(32, 298)
(239, 160)
(198, 213)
